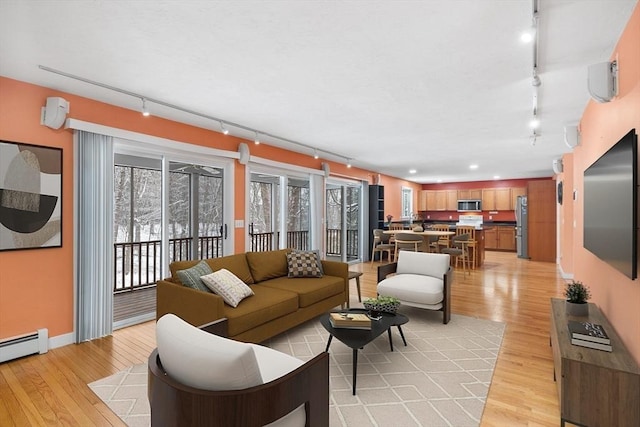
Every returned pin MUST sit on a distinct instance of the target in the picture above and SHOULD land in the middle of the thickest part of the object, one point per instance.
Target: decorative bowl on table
(381, 304)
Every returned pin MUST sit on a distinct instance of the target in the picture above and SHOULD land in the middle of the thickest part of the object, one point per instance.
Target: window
(407, 203)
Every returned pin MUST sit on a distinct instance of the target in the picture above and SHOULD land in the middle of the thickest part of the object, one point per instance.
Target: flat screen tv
(611, 206)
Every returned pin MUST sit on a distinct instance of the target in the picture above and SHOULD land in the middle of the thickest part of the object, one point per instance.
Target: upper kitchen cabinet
(515, 192)
(474, 194)
(422, 200)
(496, 199)
(452, 200)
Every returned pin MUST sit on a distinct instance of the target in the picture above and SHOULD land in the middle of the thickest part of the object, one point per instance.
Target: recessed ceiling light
(496, 176)
(439, 180)
(473, 166)
(412, 171)
(534, 123)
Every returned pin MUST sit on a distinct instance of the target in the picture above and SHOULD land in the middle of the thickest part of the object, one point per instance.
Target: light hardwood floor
(51, 389)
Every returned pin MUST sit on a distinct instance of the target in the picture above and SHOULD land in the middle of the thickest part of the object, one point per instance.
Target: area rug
(441, 378)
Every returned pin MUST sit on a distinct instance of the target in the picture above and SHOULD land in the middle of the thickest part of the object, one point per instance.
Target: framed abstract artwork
(30, 196)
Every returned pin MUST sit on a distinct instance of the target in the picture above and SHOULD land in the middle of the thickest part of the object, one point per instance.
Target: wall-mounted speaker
(243, 149)
(571, 136)
(54, 113)
(557, 166)
(327, 169)
(602, 81)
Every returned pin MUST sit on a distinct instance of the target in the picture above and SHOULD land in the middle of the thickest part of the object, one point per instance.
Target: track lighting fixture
(145, 110)
(224, 125)
(315, 154)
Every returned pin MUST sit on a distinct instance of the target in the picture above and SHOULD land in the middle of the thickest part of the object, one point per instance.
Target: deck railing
(137, 264)
(268, 241)
(334, 239)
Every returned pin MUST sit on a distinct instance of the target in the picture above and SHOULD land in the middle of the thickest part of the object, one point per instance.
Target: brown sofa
(279, 303)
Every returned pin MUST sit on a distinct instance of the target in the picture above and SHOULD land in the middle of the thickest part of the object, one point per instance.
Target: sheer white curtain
(93, 235)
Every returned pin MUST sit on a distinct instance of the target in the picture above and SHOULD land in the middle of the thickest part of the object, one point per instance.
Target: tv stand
(595, 388)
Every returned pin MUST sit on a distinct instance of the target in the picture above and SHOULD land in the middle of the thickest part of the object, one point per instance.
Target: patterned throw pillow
(318, 258)
(228, 286)
(191, 276)
(303, 264)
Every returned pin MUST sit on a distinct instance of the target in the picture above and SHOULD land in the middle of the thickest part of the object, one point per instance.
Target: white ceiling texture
(432, 85)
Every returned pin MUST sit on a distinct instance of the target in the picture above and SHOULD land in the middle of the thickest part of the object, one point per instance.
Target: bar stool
(472, 244)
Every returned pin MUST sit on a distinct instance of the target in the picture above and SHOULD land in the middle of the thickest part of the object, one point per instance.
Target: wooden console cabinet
(595, 388)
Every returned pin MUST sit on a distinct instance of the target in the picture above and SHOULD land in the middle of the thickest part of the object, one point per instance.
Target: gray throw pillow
(191, 276)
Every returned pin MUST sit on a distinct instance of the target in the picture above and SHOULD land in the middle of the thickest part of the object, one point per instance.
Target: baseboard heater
(24, 345)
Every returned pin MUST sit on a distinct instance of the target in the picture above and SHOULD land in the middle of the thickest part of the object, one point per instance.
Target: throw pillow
(303, 264)
(317, 252)
(191, 276)
(228, 286)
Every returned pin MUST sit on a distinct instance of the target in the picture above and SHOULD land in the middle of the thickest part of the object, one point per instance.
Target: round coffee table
(358, 338)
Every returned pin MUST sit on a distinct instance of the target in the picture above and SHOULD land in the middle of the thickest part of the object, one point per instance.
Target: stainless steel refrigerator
(521, 227)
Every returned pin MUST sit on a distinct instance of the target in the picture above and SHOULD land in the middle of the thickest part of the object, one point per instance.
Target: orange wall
(565, 217)
(601, 126)
(36, 286)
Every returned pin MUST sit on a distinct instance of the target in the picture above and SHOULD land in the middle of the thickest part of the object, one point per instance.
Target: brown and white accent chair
(200, 379)
(421, 280)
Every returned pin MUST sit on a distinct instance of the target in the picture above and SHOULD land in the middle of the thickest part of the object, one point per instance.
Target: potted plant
(382, 304)
(577, 295)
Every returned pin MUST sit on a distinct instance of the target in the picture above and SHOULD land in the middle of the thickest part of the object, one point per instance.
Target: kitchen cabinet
(515, 192)
(496, 199)
(431, 200)
(452, 200)
(438, 200)
(500, 238)
(422, 200)
(474, 194)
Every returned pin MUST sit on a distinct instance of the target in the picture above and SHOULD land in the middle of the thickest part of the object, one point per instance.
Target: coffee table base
(355, 353)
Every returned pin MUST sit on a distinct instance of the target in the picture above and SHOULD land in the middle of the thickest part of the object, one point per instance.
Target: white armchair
(421, 280)
(200, 379)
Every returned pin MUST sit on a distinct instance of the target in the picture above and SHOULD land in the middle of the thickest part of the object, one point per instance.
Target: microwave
(469, 206)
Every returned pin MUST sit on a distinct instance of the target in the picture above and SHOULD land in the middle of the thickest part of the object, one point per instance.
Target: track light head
(315, 154)
(257, 140)
(224, 128)
(145, 110)
(348, 163)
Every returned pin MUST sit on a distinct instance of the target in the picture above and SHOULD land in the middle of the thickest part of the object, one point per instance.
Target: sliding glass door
(344, 220)
(156, 224)
(276, 199)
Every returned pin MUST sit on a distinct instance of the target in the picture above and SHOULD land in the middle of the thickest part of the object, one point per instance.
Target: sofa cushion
(237, 264)
(266, 304)
(203, 360)
(228, 286)
(415, 288)
(267, 265)
(302, 264)
(308, 290)
(427, 264)
(191, 276)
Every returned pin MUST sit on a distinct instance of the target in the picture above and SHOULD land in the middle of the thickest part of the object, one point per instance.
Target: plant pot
(384, 308)
(577, 309)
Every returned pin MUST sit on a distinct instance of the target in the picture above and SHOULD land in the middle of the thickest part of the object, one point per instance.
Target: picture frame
(30, 196)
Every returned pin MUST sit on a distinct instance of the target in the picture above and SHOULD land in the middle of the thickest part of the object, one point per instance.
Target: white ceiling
(433, 85)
